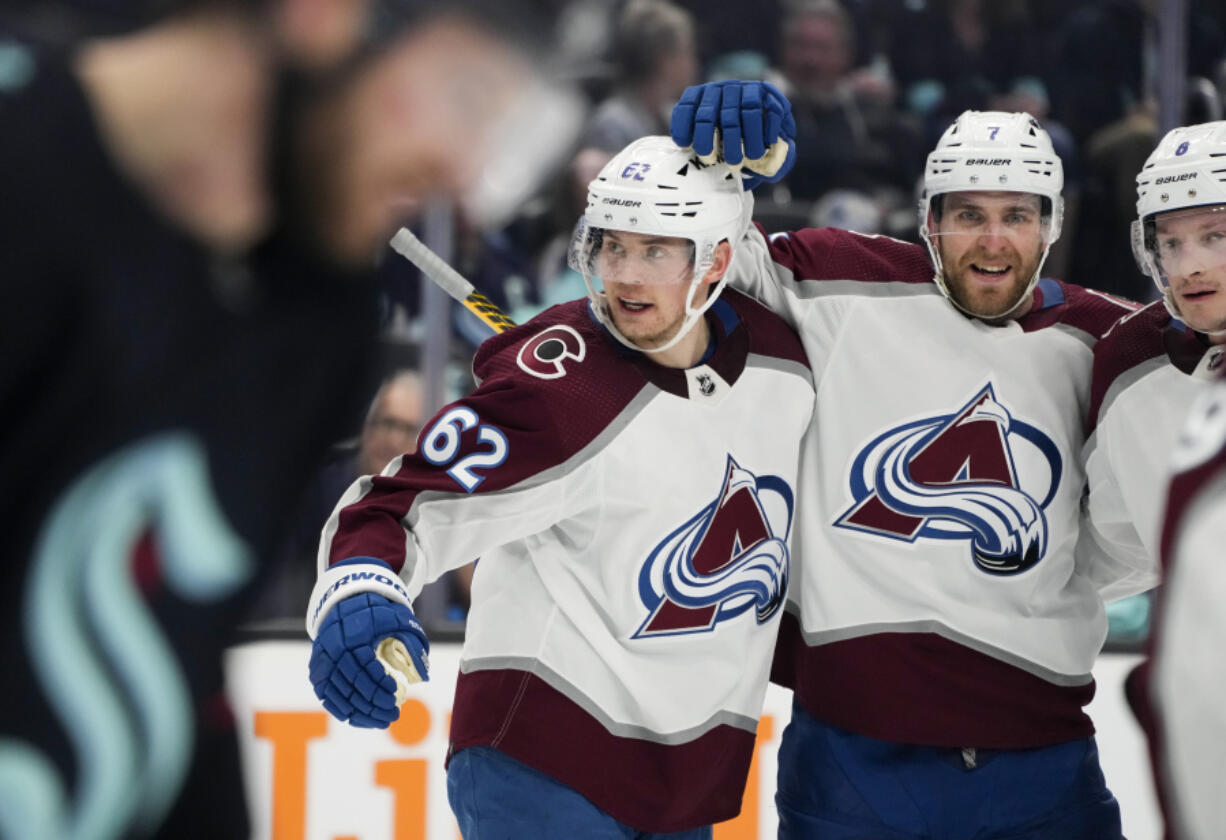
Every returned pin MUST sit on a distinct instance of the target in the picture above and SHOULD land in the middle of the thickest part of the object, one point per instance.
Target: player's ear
(720, 261)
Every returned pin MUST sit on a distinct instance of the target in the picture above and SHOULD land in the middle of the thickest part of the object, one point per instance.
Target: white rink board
(330, 781)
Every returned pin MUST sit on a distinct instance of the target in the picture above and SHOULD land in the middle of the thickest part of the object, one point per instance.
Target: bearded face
(991, 245)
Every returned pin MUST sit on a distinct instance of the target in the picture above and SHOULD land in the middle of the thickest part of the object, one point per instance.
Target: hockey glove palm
(744, 124)
(367, 645)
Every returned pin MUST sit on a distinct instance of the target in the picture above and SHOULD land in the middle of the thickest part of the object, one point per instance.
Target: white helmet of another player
(653, 187)
(1184, 176)
(993, 151)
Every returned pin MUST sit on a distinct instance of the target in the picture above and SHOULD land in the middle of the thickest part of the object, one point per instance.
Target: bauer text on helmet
(652, 230)
(1179, 236)
(990, 210)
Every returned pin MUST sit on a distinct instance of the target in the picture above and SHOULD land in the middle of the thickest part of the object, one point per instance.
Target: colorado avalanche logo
(955, 477)
(730, 557)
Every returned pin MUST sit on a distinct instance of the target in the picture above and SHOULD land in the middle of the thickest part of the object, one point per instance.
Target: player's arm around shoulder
(773, 268)
(1089, 310)
(1132, 339)
(805, 266)
(771, 335)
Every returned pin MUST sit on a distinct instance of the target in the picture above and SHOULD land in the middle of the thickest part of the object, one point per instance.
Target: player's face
(990, 244)
(1191, 254)
(646, 280)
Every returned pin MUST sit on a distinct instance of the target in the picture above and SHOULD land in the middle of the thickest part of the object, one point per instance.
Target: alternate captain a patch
(978, 474)
(731, 557)
(545, 354)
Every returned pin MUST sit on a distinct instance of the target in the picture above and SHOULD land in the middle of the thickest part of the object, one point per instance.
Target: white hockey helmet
(995, 151)
(1187, 170)
(654, 187)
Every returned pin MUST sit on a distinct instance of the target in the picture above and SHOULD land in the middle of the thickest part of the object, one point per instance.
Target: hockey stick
(451, 281)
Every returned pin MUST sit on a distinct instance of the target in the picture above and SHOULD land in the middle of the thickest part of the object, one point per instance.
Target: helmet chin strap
(939, 278)
(600, 307)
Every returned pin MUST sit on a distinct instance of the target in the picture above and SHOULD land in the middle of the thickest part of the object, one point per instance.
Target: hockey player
(1188, 677)
(1150, 365)
(1148, 369)
(625, 471)
(939, 635)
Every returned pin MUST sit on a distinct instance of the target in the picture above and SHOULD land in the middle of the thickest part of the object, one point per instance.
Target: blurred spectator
(849, 134)
(655, 59)
(950, 56)
(523, 267)
(198, 196)
(1106, 61)
(725, 29)
(393, 422)
(953, 55)
(1105, 81)
(539, 275)
(556, 281)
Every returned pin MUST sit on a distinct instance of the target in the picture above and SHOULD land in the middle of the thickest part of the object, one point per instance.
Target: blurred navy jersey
(162, 410)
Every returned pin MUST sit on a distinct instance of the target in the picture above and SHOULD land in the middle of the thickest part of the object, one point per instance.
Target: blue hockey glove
(743, 124)
(367, 645)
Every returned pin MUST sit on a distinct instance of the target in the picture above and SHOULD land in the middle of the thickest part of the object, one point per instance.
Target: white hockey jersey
(1189, 671)
(936, 599)
(632, 524)
(1147, 370)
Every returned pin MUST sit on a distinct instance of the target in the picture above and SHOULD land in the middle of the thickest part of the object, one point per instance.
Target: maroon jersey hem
(921, 688)
(647, 785)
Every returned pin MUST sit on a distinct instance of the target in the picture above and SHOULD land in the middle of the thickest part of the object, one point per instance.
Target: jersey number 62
(441, 446)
